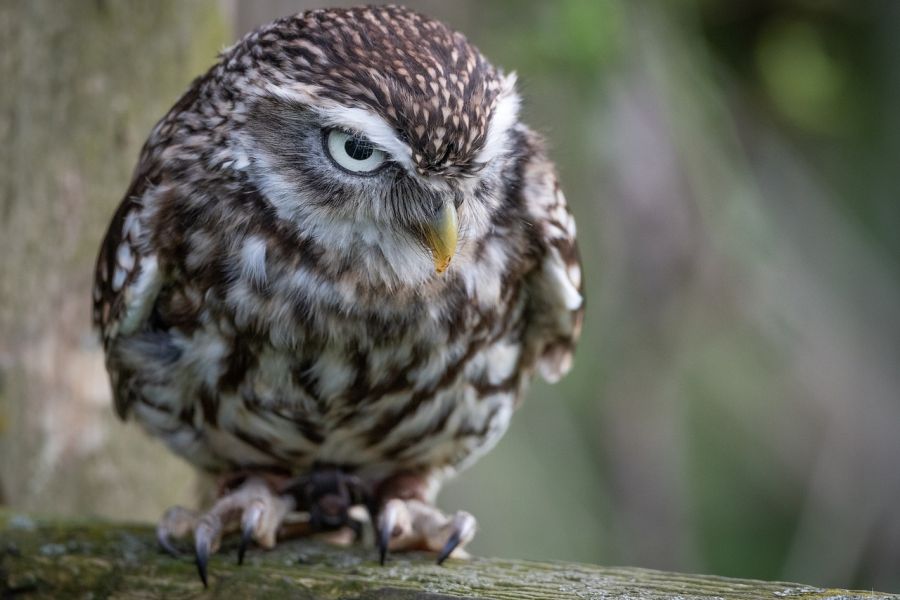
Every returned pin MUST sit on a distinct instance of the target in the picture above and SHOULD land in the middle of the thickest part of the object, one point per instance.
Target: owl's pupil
(358, 148)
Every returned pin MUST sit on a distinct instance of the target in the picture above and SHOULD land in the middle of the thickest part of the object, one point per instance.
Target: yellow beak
(441, 235)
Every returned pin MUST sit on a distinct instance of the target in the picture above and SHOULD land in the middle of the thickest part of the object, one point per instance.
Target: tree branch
(62, 558)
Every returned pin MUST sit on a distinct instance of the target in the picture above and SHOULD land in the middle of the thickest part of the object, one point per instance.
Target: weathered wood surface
(61, 559)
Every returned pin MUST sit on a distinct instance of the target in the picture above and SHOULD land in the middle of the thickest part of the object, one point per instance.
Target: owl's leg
(407, 520)
(252, 506)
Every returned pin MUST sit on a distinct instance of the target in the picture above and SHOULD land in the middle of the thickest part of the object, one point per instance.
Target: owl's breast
(281, 378)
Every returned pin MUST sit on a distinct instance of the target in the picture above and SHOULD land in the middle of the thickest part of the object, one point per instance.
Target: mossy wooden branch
(61, 559)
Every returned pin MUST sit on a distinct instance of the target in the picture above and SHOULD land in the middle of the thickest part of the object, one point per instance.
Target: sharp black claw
(384, 536)
(202, 559)
(449, 547)
(246, 536)
(166, 545)
(386, 523)
(205, 536)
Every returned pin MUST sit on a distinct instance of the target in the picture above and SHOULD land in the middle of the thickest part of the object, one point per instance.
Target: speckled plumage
(261, 308)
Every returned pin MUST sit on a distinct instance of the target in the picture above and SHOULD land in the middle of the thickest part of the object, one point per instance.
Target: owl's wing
(556, 300)
(127, 280)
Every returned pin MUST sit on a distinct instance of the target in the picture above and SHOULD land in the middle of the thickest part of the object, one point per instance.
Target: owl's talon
(386, 524)
(416, 525)
(162, 538)
(166, 544)
(464, 526)
(177, 522)
(206, 541)
(246, 537)
(449, 547)
(382, 547)
(253, 507)
(251, 521)
(201, 558)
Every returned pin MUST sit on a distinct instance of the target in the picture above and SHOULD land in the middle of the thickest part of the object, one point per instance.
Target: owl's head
(371, 128)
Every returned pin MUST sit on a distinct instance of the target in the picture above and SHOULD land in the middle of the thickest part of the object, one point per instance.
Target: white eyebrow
(378, 131)
(503, 118)
(371, 125)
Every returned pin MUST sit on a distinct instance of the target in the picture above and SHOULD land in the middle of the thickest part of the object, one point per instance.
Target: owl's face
(350, 183)
(381, 133)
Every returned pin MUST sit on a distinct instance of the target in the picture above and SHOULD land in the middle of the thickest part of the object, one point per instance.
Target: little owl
(339, 262)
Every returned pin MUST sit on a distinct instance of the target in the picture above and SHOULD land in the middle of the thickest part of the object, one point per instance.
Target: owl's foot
(252, 506)
(412, 524)
(329, 494)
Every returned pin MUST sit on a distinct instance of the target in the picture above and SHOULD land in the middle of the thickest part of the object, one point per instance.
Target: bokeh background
(734, 167)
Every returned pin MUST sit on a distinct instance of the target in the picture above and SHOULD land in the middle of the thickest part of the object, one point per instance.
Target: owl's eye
(353, 152)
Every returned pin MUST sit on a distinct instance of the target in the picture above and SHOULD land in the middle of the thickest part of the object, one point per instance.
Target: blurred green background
(733, 168)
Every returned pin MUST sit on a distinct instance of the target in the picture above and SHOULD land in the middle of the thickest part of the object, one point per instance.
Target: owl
(339, 262)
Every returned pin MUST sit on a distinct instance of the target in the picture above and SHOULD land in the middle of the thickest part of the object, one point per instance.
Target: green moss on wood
(53, 558)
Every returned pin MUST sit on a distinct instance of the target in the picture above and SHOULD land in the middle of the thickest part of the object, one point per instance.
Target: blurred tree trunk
(81, 84)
